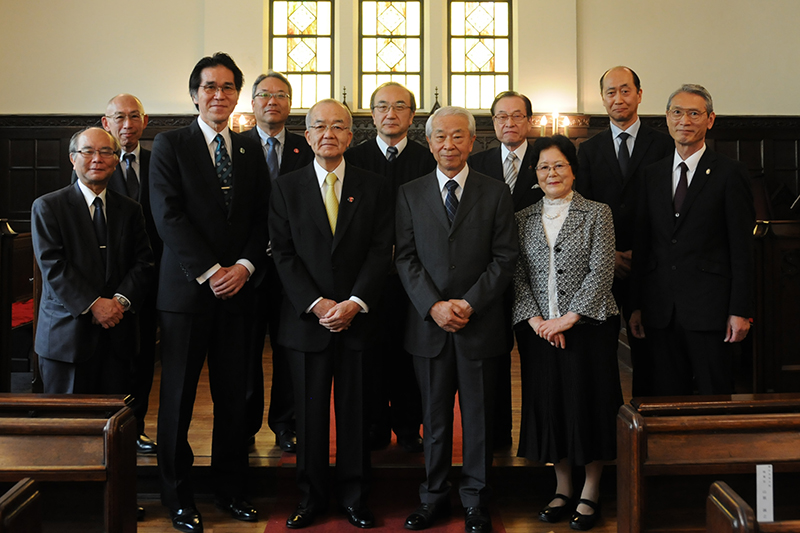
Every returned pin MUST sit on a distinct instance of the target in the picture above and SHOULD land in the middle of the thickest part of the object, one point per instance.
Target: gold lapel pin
(241, 150)
(708, 171)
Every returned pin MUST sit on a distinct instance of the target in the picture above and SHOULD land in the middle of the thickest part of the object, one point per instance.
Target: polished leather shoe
(239, 509)
(554, 514)
(585, 522)
(287, 440)
(300, 518)
(187, 520)
(145, 445)
(359, 516)
(426, 514)
(411, 444)
(477, 520)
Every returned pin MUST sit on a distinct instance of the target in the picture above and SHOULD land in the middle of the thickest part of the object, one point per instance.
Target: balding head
(125, 119)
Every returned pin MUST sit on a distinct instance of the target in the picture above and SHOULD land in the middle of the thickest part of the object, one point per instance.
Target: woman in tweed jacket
(570, 377)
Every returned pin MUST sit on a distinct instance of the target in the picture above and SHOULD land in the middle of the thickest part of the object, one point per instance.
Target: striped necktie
(451, 201)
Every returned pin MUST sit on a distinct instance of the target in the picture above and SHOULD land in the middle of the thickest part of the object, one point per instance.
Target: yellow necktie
(331, 203)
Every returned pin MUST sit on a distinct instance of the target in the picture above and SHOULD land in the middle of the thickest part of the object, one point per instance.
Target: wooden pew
(700, 435)
(16, 273)
(20, 510)
(73, 438)
(727, 512)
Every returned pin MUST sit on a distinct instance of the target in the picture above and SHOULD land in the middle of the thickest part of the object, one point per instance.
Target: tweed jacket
(584, 263)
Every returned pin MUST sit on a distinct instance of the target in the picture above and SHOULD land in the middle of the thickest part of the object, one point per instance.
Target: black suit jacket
(473, 259)
(117, 183)
(312, 262)
(191, 218)
(73, 275)
(526, 190)
(699, 264)
(296, 151)
(413, 162)
(600, 178)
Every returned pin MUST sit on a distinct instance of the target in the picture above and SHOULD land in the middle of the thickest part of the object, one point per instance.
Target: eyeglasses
(278, 96)
(119, 118)
(560, 168)
(399, 107)
(322, 128)
(212, 88)
(105, 153)
(676, 113)
(518, 118)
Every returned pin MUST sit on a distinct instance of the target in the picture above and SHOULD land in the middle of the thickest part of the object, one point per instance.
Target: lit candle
(555, 122)
(543, 125)
(566, 124)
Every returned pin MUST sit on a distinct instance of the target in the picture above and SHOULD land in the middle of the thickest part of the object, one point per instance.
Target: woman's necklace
(558, 214)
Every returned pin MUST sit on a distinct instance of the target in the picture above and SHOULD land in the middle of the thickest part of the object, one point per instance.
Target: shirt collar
(692, 161)
(460, 178)
(210, 134)
(520, 151)
(136, 152)
(281, 136)
(633, 130)
(89, 195)
(384, 146)
(322, 173)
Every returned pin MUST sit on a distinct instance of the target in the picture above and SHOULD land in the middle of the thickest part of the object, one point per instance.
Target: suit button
(560, 271)
(674, 241)
(452, 239)
(674, 267)
(452, 267)
(677, 215)
(562, 293)
(622, 206)
(557, 250)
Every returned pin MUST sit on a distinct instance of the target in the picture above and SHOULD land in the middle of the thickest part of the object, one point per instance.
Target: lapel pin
(296, 150)
(350, 199)
(708, 171)
(241, 150)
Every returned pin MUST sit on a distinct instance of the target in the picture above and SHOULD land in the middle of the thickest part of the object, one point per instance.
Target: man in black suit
(96, 264)
(613, 173)
(456, 250)
(331, 228)
(512, 115)
(693, 256)
(125, 119)
(209, 194)
(284, 152)
(395, 403)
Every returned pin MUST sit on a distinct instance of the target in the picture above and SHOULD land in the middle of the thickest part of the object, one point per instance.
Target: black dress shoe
(187, 520)
(239, 509)
(411, 444)
(139, 513)
(585, 522)
(477, 520)
(554, 514)
(360, 516)
(426, 514)
(302, 517)
(287, 440)
(145, 445)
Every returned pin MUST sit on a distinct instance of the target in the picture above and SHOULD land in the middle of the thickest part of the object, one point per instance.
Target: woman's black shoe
(554, 514)
(585, 522)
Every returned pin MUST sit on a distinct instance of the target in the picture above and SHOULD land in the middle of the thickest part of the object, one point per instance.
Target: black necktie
(391, 153)
(624, 156)
(451, 201)
(131, 181)
(222, 162)
(681, 189)
(100, 229)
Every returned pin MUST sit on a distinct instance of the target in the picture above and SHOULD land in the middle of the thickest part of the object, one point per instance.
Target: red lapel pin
(350, 199)
(297, 150)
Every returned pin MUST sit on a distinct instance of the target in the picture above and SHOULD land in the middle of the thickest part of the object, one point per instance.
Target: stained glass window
(479, 52)
(391, 46)
(301, 36)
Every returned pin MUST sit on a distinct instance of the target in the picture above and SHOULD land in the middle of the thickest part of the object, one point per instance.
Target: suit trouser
(185, 341)
(641, 358)
(312, 374)
(144, 365)
(439, 379)
(102, 373)
(683, 359)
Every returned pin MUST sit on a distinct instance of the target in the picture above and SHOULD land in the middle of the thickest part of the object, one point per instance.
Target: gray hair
(272, 74)
(328, 101)
(449, 111)
(693, 88)
(73, 142)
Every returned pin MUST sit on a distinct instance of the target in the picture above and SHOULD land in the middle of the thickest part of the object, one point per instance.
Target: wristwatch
(124, 302)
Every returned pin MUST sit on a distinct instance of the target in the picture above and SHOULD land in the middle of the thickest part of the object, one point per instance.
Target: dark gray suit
(473, 259)
(74, 276)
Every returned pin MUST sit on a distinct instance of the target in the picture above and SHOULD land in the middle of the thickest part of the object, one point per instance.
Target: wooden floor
(521, 487)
